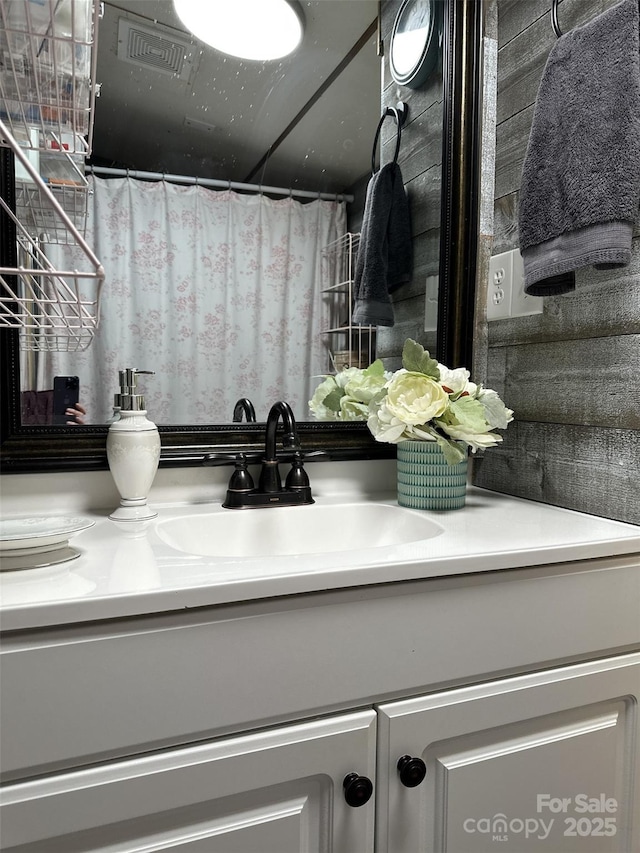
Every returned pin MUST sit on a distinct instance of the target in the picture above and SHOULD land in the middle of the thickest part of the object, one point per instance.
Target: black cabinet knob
(412, 771)
(357, 790)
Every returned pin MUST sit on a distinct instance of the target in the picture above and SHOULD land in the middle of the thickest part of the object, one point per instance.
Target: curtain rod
(211, 182)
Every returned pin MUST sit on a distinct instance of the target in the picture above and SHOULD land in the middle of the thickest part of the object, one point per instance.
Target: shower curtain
(218, 293)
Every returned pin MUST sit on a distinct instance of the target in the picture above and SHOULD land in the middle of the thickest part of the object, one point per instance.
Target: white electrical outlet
(521, 304)
(505, 291)
(499, 287)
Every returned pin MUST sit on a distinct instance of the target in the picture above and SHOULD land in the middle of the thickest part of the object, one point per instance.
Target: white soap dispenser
(133, 451)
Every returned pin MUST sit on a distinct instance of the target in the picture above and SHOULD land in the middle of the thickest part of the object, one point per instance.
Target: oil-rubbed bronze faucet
(242, 494)
(270, 475)
(244, 406)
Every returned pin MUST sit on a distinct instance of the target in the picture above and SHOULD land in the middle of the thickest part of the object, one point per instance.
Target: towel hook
(554, 18)
(399, 113)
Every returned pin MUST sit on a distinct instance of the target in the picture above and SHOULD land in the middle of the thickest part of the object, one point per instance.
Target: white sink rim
(296, 531)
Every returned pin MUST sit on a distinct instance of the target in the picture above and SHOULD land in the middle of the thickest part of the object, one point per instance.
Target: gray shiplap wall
(420, 159)
(572, 374)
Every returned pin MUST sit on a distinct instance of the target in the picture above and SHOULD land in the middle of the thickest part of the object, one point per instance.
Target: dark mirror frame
(30, 449)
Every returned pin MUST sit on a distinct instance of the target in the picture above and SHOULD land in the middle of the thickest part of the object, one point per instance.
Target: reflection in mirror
(146, 121)
(219, 291)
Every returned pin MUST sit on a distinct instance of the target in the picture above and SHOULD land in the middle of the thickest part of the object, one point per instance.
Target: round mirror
(414, 42)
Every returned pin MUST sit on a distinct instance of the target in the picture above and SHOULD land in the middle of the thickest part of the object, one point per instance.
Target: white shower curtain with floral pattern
(218, 293)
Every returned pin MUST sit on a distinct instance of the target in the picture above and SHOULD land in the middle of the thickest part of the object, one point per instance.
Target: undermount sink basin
(287, 531)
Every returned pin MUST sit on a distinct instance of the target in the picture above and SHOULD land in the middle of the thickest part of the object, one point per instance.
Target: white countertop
(127, 570)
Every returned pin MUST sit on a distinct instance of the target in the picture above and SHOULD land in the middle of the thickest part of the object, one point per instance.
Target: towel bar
(399, 112)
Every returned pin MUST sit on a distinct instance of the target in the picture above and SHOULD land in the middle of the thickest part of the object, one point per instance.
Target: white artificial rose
(455, 380)
(343, 377)
(495, 411)
(364, 386)
(383, 426)
(316, 404)
(414, 398)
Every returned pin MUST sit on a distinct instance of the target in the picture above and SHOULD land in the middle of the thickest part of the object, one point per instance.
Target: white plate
(15, 561)
(40, 532)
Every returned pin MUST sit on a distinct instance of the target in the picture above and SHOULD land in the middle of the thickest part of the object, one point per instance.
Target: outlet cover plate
(499, 287)
(505, 289)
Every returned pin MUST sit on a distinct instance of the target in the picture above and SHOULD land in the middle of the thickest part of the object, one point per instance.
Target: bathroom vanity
(473, 690)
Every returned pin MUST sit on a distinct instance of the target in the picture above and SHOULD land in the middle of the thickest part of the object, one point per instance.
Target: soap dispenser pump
(117, 406)
(133, 451)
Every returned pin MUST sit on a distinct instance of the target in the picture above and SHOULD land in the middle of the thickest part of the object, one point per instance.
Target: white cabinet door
(277, 791)
(547, 762)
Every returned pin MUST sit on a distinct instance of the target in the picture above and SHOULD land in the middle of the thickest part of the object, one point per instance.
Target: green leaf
(469, 414)
(417, 359)
(375, 369)
(453, 453)
(332, 400)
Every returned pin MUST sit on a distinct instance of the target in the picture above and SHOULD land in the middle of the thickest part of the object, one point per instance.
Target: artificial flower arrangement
(423, 401)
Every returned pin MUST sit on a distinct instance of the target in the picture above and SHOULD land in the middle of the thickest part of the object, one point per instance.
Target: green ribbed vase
(426, 481)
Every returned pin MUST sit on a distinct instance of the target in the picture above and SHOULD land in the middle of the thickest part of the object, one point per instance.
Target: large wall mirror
(307, 123)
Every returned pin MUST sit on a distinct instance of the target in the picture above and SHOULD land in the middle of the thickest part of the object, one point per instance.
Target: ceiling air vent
(152, 48)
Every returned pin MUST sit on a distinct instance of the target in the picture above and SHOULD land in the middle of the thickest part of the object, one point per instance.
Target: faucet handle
(241, 480)
(297, 478)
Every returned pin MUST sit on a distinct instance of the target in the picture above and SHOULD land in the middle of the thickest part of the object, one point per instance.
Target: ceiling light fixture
(249, 29)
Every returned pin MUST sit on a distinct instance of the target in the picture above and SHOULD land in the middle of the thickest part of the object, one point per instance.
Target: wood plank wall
(420, 159)
(572, 374)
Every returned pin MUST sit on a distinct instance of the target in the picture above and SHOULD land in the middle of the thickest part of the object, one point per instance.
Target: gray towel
(37, 408)
(385, 256)
(581, 176)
